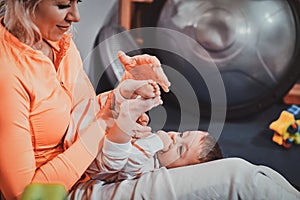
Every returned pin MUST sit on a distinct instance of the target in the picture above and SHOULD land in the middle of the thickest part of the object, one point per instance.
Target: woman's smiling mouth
(63, 28)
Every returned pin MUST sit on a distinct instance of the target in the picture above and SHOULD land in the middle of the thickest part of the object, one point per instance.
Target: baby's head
(188, 148)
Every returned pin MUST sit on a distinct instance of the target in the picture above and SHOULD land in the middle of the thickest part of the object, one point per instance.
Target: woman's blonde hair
(18, 15)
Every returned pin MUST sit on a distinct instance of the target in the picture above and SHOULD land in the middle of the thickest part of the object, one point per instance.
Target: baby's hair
(210, 149)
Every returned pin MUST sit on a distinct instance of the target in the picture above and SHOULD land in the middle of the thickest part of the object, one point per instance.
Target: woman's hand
(107, 113)
(128, 89)
(144, 67)
(126, 125)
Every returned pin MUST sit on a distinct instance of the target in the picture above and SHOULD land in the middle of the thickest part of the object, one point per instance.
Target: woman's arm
(17, 154)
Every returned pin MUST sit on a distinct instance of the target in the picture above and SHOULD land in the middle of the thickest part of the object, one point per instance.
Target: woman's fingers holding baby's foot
(155, 88)
(127, 89)
(130, 89)
(149, 90)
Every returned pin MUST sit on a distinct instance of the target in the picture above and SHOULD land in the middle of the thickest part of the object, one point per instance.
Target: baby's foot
(132, 89)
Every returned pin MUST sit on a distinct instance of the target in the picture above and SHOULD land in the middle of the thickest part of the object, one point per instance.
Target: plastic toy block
(287, 127)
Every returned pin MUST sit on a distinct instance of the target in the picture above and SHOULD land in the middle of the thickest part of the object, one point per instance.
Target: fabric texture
(231, 179)
(153, 185)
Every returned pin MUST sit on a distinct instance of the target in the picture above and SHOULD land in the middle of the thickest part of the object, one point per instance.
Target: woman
(42, 80)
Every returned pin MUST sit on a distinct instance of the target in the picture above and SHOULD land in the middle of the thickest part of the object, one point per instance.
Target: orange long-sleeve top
(37, 96)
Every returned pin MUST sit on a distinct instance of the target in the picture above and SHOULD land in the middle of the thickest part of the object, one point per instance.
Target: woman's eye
(68, 5)
(63, 6)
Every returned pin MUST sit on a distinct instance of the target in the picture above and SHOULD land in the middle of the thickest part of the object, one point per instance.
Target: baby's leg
(230, 178)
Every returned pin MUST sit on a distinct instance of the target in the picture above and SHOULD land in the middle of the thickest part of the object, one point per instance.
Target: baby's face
(183, 150)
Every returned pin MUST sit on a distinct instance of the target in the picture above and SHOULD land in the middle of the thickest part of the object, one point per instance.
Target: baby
(162, 149)
(146, 151)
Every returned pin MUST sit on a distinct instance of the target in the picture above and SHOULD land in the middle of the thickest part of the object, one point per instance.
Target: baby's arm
(126, 161)
(141, 158)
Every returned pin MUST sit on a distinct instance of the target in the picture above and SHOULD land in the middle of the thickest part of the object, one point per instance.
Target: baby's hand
(130, 110)
(143, 119)
(144, 67)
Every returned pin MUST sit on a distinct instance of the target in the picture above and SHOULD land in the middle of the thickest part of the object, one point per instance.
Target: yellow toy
(287, 127)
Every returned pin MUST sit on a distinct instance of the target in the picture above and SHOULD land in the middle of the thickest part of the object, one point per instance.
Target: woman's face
(54, 17)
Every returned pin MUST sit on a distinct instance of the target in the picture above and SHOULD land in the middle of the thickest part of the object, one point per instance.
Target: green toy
(39, 191)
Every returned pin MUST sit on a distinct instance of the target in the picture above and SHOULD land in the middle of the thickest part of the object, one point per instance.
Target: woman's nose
(73, 15)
